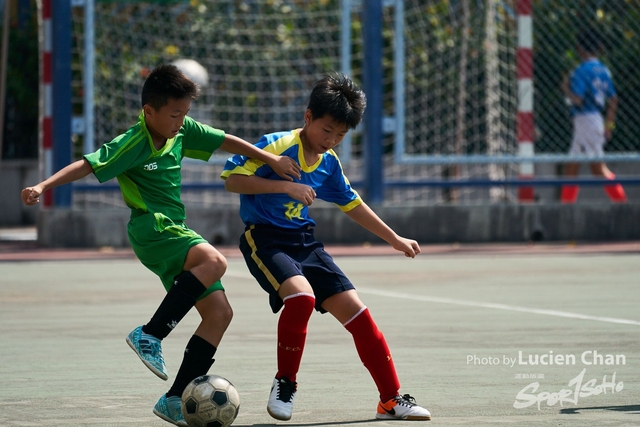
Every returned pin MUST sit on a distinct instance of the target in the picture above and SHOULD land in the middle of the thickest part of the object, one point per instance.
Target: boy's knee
(214, 266)
(220, 315)
(218, 262)
(206, 263)
(225, 313)
(228, 315)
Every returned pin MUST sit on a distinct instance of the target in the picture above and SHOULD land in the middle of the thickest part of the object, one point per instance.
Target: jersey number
(600, 88)
(151, 166)
(293, 210)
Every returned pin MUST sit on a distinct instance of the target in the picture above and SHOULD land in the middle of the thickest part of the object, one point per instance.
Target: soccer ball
(194, 70)
(210, 401)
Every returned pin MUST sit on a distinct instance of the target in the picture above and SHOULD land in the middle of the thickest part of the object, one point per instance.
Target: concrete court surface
(465, 330)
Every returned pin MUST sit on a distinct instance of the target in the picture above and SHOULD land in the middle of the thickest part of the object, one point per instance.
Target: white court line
(478, 304)
(498, 306)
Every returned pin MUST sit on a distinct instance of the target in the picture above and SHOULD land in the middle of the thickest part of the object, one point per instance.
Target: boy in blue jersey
(146, 160)
(590, 90)
(292, 266)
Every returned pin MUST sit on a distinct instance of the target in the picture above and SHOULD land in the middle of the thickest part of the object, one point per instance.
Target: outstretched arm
(284, 166)
(363, 215)
(252, 184)
(73, 172)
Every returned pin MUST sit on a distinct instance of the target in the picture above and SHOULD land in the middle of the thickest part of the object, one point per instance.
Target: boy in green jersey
(146, 161)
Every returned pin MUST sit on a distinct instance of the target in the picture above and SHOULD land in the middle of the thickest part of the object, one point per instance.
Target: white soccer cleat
(280, 404)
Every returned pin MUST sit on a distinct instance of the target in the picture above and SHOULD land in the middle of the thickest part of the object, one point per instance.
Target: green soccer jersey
(150, 179)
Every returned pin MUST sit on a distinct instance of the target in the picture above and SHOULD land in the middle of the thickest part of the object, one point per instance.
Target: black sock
(176, 304)
(198, 358)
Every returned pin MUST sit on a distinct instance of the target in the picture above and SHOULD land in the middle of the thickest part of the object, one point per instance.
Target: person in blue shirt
(283, 255)
(591, 92)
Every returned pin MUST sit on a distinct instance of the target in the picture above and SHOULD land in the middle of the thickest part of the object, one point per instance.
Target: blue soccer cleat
(149, 349)
(170, 410)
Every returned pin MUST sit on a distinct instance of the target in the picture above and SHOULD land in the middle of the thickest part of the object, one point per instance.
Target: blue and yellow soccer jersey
(325, 177)
(150, 179)
(592, 82)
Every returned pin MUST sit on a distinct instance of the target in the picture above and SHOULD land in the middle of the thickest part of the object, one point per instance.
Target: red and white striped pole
(524, 65)
(46, 99)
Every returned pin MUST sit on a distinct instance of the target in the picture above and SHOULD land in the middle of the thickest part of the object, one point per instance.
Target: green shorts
(162, 246)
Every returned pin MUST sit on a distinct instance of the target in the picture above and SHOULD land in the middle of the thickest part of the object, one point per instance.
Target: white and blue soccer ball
(210, 401)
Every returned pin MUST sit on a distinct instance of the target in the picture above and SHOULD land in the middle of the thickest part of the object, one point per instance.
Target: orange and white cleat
(402, 408)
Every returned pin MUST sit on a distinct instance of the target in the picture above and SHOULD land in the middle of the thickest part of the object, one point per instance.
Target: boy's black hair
(339, 97)
(164, 82)
(589, 40)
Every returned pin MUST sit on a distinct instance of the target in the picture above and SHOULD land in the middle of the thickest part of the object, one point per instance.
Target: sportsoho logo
(579, 387)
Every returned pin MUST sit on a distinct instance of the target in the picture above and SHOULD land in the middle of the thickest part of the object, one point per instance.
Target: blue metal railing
(397, 183)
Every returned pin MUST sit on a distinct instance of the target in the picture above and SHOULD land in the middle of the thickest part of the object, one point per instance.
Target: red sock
(292, 333)
(374, 353)
(615, 191)
(569, 193)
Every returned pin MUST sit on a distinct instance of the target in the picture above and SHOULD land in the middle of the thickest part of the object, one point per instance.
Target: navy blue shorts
(274, 254)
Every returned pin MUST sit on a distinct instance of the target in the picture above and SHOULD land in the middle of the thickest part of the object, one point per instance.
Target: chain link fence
(459, 79)
(556, 25)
